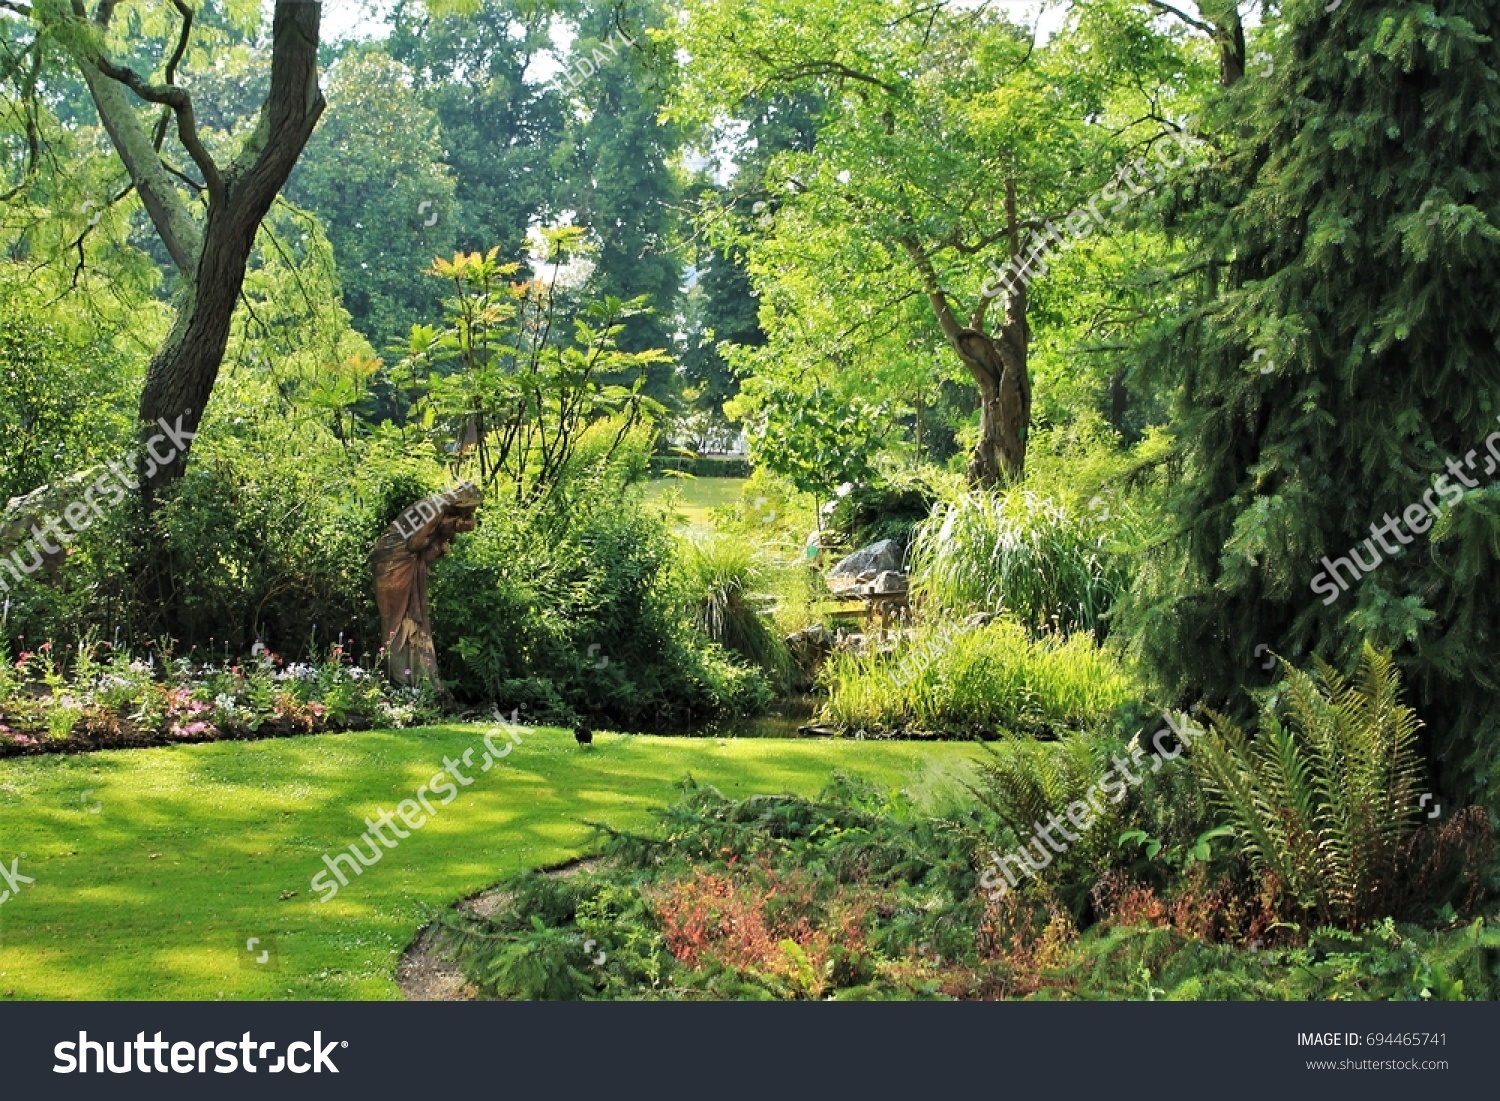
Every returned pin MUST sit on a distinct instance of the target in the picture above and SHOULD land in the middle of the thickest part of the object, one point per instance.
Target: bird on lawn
(584, 735)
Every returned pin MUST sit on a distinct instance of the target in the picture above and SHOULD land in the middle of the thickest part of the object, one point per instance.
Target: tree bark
(998, 367)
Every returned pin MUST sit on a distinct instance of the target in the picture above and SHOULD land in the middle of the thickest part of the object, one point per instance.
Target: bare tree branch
(1196, 24)
(181, 103)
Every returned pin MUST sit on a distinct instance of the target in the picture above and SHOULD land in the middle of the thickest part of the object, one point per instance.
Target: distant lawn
(190, 849)
(695, 498)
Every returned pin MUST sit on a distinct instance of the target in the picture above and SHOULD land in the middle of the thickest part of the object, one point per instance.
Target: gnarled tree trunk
(998, 367)
(997, 364)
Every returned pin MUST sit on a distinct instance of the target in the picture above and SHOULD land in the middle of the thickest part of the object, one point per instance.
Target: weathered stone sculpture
(401, 561)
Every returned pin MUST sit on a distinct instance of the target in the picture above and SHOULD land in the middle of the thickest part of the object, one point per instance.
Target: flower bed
(103, 698)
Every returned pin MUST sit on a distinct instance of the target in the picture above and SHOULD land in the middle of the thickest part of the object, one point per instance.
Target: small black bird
(584, 735)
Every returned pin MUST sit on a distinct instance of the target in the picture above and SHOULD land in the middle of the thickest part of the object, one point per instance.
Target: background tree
(375, 174)
(948, 142)
(499, 127)
(618, 175)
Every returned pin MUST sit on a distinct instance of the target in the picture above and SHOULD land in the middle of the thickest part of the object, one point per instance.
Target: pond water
(781, 721)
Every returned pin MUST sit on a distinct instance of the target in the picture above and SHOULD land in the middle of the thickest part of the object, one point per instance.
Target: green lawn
(694, 499)
(153, 868)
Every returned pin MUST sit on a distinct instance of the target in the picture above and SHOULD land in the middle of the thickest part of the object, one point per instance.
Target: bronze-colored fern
(1326, 796)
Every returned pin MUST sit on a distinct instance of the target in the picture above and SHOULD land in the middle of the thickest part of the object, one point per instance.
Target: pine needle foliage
(1335, 348)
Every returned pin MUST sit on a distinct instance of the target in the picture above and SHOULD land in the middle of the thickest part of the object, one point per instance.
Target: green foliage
(725, 579)
(767, 897)
(55, 394)
(1022, 782)
(498, 388)
(857, 894)
(616, 169)
(889, 506)
(1325, 797)
(500, 133)
(377, 208)
(983, 681)
(1053, 566)
(815, 440)
(570, 608)
(1389, 962)
(771, 512)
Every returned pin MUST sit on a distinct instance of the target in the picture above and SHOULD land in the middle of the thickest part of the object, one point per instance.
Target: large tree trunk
(995, 361)
(998, 367)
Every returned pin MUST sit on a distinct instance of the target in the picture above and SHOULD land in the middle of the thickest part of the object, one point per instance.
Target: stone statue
(401, 561)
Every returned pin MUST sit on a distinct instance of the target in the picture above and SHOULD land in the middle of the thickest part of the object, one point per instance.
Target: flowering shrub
(104, 696)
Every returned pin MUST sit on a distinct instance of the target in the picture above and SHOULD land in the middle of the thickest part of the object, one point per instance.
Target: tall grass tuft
(725, 580)
(980, 681)
(1050, 566)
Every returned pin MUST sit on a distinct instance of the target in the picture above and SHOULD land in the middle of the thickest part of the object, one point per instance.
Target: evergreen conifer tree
(1338, 343)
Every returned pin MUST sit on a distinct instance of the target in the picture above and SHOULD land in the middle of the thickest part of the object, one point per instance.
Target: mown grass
(195, 849)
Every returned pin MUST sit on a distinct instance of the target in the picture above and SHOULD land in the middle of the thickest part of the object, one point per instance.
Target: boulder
(810, 645)
(876, 558)
(889, 581)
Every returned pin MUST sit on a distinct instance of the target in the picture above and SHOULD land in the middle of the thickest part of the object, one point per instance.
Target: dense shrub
(857, 895)
(884, 507)
(851, 895)
(572, 610)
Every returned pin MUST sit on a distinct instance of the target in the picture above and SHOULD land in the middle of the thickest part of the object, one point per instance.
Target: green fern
(1326, 798)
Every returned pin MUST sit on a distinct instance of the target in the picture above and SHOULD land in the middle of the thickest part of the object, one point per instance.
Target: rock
(889, 581)
(874, 559)
(816, 639)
